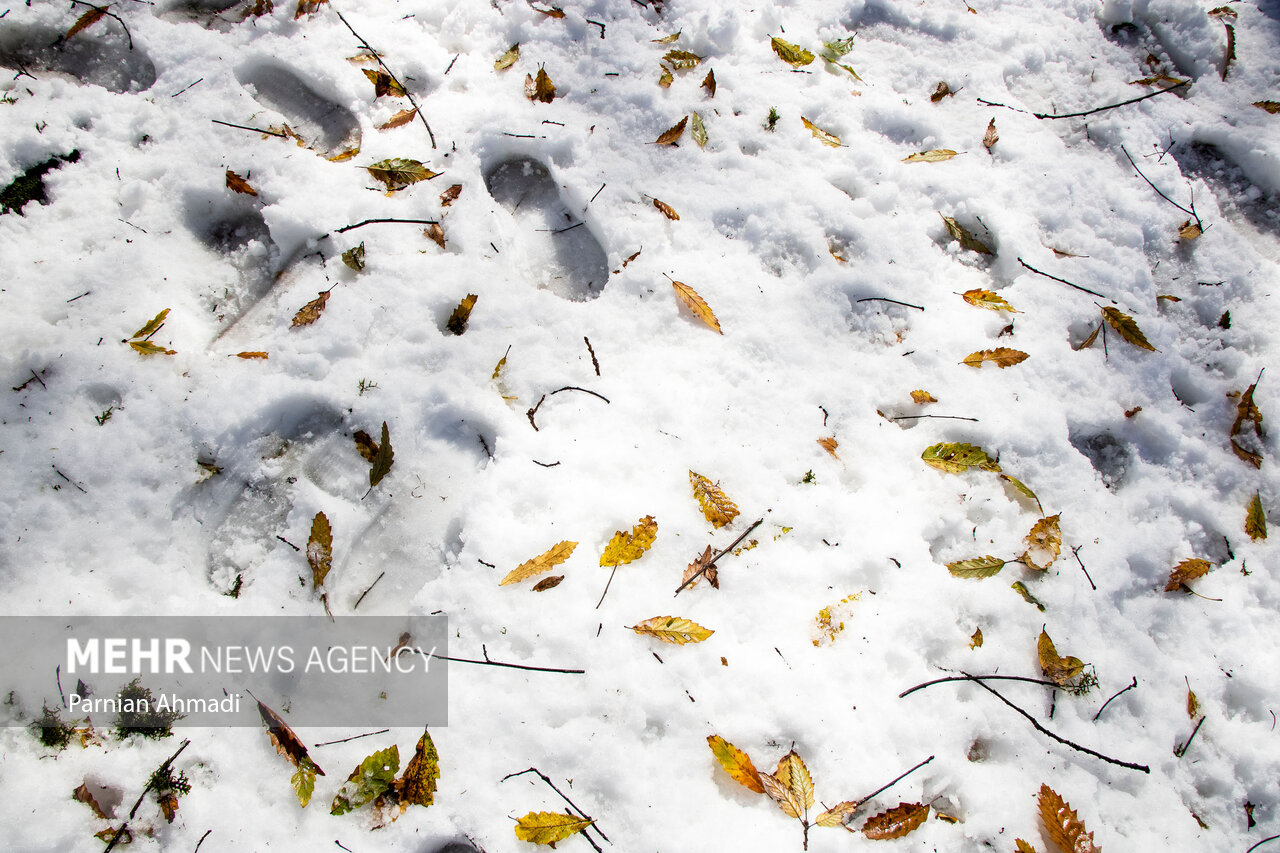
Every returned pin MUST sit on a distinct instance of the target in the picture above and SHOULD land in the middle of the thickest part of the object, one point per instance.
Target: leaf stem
(1109, 701)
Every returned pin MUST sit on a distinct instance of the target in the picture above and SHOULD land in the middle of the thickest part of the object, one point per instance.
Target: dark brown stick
(594, 362)
(894, 301)
(487, 662)
(606, 586)
(884, 788)
(943, 417)
(1108, 702)
(254, 129)
(104, 9)
(967, 677)
(366, 592)
(1075, 552)
(344, 229)
(534, 411)
(712, 562)
(1191, 212)
(1180, 751)
(571, 803)
(384, 67)
(200, 843)
(1064, 281)
(115, 839)
(353, 737)
(1110, 106)
(583, 390)
(1262, 842)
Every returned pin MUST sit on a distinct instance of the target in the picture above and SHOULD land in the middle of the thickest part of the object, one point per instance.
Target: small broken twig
(1075, 552)
(1132, 685)
(353, 737)
(1180, 751)
(710, 563)
(1064, 281)
(943, 417)
(383, 65)
(344, 229)
(254, 129)
(158, 774)
(594, 362)
(1190, 212)
(1092, 111)
(534, 411)
(894, 301)
(571, 803)
(583, 390)
(366, 592)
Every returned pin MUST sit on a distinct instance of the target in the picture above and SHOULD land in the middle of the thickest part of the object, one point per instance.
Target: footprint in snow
(233, 226)
(101, 60)
(328, 127)
(554, 248)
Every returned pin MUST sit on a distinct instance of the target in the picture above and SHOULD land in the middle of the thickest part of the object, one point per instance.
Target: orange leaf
(736, 763)
(696, 304)
(829, 445)
(667, 210)
(88, 19)
(239, 184)
(400, 119)
(672, 134)
(1186, 571)
(896, 822)
(248, 355)
(1061, 825)
(1001, 357)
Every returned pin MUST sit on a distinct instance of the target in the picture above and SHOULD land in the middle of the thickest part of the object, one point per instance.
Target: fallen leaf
(148, 348)
(821, 135)
(286, 742)
(942, 91)
(354, 257)
(549, 827)
(417, 787)
(1126, 327)
(450, 195)
(1044, 544)
(1189, 230)
(1231, 50)
(252, 355)
(736, 763)
(976, 640)
(310, 312)
(320, 549)
(507, 59)
(977, 567)
(681, 60)
(667, 210)
(239, 184)
(1166, 297)
(366, 446)
(458, 319)
(709, 83)
(548, 583)
(714, 503)
(540, 88)
(672, 135)
(435, 233)
(1001, 357)
(1223, 12)
(666, 39)
(792, 54)
(1023, 846)
(384, 83)
(303, 781)
(1255, 522)
(922, 397)
(896, 822)
(400, 119)
(553, 12)
(83, 795)
(383, 461)
(698, 130)
(696, 304)
(672, 629)
(153, 325)
(398, 172)
(665, 79)
(829, 445)
(628, 546)
(1272, 107)
(1056, 668)
(1022, 489)
(937, 155)
(1193, 704)
(1062, 826)
(989, 300)
(958, 457)
(544, 562)
(1089, 341)
(991, 137)
(1185, 572)
(967, 240)
(372, 778)
(260, 8)
(308, 7)
(343, 156)
(88, 19)
(698, 569)
(1158, 80)
(835, 816)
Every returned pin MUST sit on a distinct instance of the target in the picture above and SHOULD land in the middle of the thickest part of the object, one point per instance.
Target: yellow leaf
(715, 504)
(977, 567)
(896, 822)
(540, 88)
(1062, 826)
(1001, 357)
(417, 787)
(682, 60)
(1022, 489)
(922, 397)
(542, 563)
(1128, 329)
(958, 457)
(672, 135)
(829, 445)
(549, 827)
(148, 348)
(967, 240)
(400, 119)
(937, 155)
(252, 355)
(1190, 230)
(976, 640)
(698, 130)
(343, 156)
(88, 19)
(384, 83)
(835, 815)
(1023, 846)
(666, 39)
(709, 83)
(507, 59)
(1185, 572)
(1255, 522)
(665, 79)
(239, 184)
(1044, 544)
(991, 137)
(673, 629)
(736, 763)
(310, 312)
(988, 299)
(626, 547)
(1056, 668)
(792, 773)
(667, 210)
(1193, 704)
(397, 173)
(320, 549)
(696, 304)
(153, 325)
(1272, 107)
(458, 319)
(792, 54)
(821, 135)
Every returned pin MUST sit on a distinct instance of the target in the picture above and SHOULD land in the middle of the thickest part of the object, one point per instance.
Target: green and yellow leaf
(153, 325)
(967, 240)
(988, 299)
(399, 172)
(736, 763)
(371, 779)
(958, 457)
(1126, 327)
(976, 567)
(792, 54)
(1255, 521)
(672, 629)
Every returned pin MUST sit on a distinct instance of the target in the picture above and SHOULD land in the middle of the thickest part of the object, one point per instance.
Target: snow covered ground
(795, 245)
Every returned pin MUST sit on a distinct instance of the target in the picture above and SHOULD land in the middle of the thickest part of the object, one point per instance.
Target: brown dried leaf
(366, 446)
(252, 355)
(548, 583)
(709, 83)
(1231, 50)
(286, 742)
(1062, 826)
(1056, 668)
(1255, 521)
(310, 312)
(716, 506)
(672, 134)
(88, 19)
(450, 195)
(1185, 572)
(1089, 341)
(682, 60)
(736, 763)
(922, 397)
(896, 822)
(942, 91)
(551, 12)
(308, 7)
(1126, 327)
(260, 8)
(384, 83)
(385, 458)
(695, 569)
(82, 794)
(435, 232)
(458, 319)
(400, 119)
(148, 348)
(1044, 544)
(320, 549)
(829, 445)
(1001, 357)
(966, 238)
(239, 184)
(540, 88)
(1023, 846)
(667, 210)
(544, 562)
(990, 138)
(697, 305)
(1272, 107)
(1253, 458)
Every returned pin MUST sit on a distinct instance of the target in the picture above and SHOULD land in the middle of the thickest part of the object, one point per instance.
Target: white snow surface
(119, 518)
